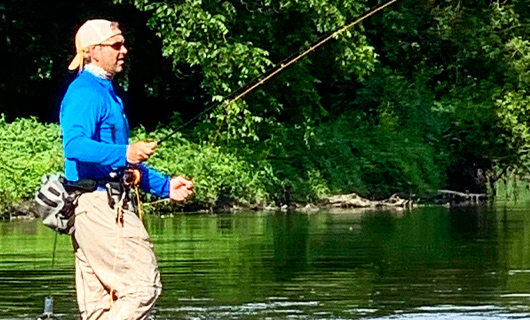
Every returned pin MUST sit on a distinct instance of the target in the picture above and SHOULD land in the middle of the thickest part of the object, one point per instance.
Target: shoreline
(447, 198)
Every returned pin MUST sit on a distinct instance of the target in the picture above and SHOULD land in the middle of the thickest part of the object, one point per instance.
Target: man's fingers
(187, 183)
(152, 145)
(180, 188)
(181, 181)
(180, 194)
(145, 153)
(183, 194)
(140, 151)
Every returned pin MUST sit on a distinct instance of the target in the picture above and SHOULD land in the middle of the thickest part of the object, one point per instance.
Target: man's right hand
(140, 151)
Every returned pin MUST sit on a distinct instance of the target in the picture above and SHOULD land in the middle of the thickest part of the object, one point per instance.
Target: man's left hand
(180, 188)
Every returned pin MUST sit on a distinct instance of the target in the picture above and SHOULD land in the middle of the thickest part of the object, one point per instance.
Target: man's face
(110, 55)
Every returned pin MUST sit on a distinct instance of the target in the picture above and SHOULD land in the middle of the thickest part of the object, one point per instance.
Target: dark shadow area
(37, 44)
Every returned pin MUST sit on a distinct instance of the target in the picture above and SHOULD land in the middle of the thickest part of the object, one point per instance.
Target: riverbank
(283, 170)
(26, 209)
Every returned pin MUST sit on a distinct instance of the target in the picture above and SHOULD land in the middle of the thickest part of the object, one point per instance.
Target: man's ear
(94, 53)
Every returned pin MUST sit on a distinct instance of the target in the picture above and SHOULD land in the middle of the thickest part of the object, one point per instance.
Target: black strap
(84, 185)
(88, 185)
(47, 201)
(52, 190)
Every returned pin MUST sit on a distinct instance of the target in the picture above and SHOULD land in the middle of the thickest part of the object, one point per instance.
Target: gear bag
(56, 205)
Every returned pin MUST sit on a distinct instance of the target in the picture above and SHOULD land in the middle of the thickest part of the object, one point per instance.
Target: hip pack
(57, 199)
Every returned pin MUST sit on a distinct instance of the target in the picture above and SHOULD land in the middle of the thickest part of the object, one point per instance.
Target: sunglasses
(116, 45)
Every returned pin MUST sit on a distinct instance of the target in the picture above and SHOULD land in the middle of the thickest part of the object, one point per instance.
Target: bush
(28, 150)
(219, 175)
(348, 155)
(294, 164)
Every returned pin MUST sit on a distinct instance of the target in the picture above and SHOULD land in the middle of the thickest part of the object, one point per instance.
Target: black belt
(114, 187)
(89, 185)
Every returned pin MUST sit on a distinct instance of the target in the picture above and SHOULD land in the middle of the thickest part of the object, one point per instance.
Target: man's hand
(140, 151)
(180, 188)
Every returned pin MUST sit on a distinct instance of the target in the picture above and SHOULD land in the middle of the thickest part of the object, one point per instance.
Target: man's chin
(118, 69)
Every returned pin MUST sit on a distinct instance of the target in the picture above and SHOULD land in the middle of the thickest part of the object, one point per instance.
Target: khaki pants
(113, 258)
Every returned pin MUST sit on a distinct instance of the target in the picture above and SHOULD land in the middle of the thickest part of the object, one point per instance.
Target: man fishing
(117, 274)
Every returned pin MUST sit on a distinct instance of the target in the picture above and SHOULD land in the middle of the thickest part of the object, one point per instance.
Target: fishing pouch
(57, 199)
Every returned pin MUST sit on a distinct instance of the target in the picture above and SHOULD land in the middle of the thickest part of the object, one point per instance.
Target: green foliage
(512, 105)
(233, 42)
(335, 159)
(349, 155)
(218, 175)
(197, 33)
(468, 63)
(405, 102)
(28, 150)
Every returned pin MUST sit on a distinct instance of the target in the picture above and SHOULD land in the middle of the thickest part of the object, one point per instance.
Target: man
(117, 275)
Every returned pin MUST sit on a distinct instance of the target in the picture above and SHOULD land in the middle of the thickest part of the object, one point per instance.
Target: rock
(308, 208)
(353, 200)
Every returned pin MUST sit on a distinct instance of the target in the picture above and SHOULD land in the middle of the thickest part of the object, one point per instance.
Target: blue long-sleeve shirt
(96, 134)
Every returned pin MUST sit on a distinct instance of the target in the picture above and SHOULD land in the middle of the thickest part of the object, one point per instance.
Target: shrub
(218, 173)
(28, 150)
(294, 164)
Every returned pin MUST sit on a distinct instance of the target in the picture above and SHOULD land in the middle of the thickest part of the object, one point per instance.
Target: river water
(427, 263)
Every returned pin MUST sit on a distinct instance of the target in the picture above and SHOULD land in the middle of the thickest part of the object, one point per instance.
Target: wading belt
(118, 188)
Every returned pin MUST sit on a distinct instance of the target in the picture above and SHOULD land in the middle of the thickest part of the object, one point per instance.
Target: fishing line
(53, 264)
(48, 300)
(253, 84)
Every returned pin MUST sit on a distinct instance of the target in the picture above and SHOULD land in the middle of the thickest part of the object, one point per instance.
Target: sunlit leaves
(217, 173)
(233, 41)
(28, 150)
(518, 57)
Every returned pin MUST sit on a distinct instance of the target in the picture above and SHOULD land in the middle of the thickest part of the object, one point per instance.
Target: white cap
(92, 32)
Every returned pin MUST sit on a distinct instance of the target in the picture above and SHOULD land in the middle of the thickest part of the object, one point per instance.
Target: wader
(117, 275)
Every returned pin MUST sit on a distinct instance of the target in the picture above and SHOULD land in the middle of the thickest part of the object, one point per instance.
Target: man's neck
(98, 71)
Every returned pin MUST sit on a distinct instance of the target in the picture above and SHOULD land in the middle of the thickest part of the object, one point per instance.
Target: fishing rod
(279, 67)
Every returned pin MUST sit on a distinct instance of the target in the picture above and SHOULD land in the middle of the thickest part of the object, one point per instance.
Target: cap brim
(76, 62)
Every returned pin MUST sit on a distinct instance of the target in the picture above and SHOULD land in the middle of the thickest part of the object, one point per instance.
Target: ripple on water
(309, 310)
(427, 264)
(450, 312)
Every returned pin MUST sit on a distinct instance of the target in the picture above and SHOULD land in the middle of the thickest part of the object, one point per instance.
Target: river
(427, 263)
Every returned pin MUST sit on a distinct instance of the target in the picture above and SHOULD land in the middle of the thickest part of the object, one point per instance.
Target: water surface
(428, 263)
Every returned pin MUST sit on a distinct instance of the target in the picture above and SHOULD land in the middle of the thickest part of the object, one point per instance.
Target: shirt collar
(98, 71)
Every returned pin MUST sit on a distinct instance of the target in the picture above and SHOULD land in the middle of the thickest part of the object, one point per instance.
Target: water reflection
(423, 264)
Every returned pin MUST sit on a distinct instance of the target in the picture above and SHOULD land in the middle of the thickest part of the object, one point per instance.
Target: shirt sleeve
(154, 182)
(80, 115)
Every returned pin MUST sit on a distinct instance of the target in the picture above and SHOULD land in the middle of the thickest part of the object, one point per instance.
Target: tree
(234, 42)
